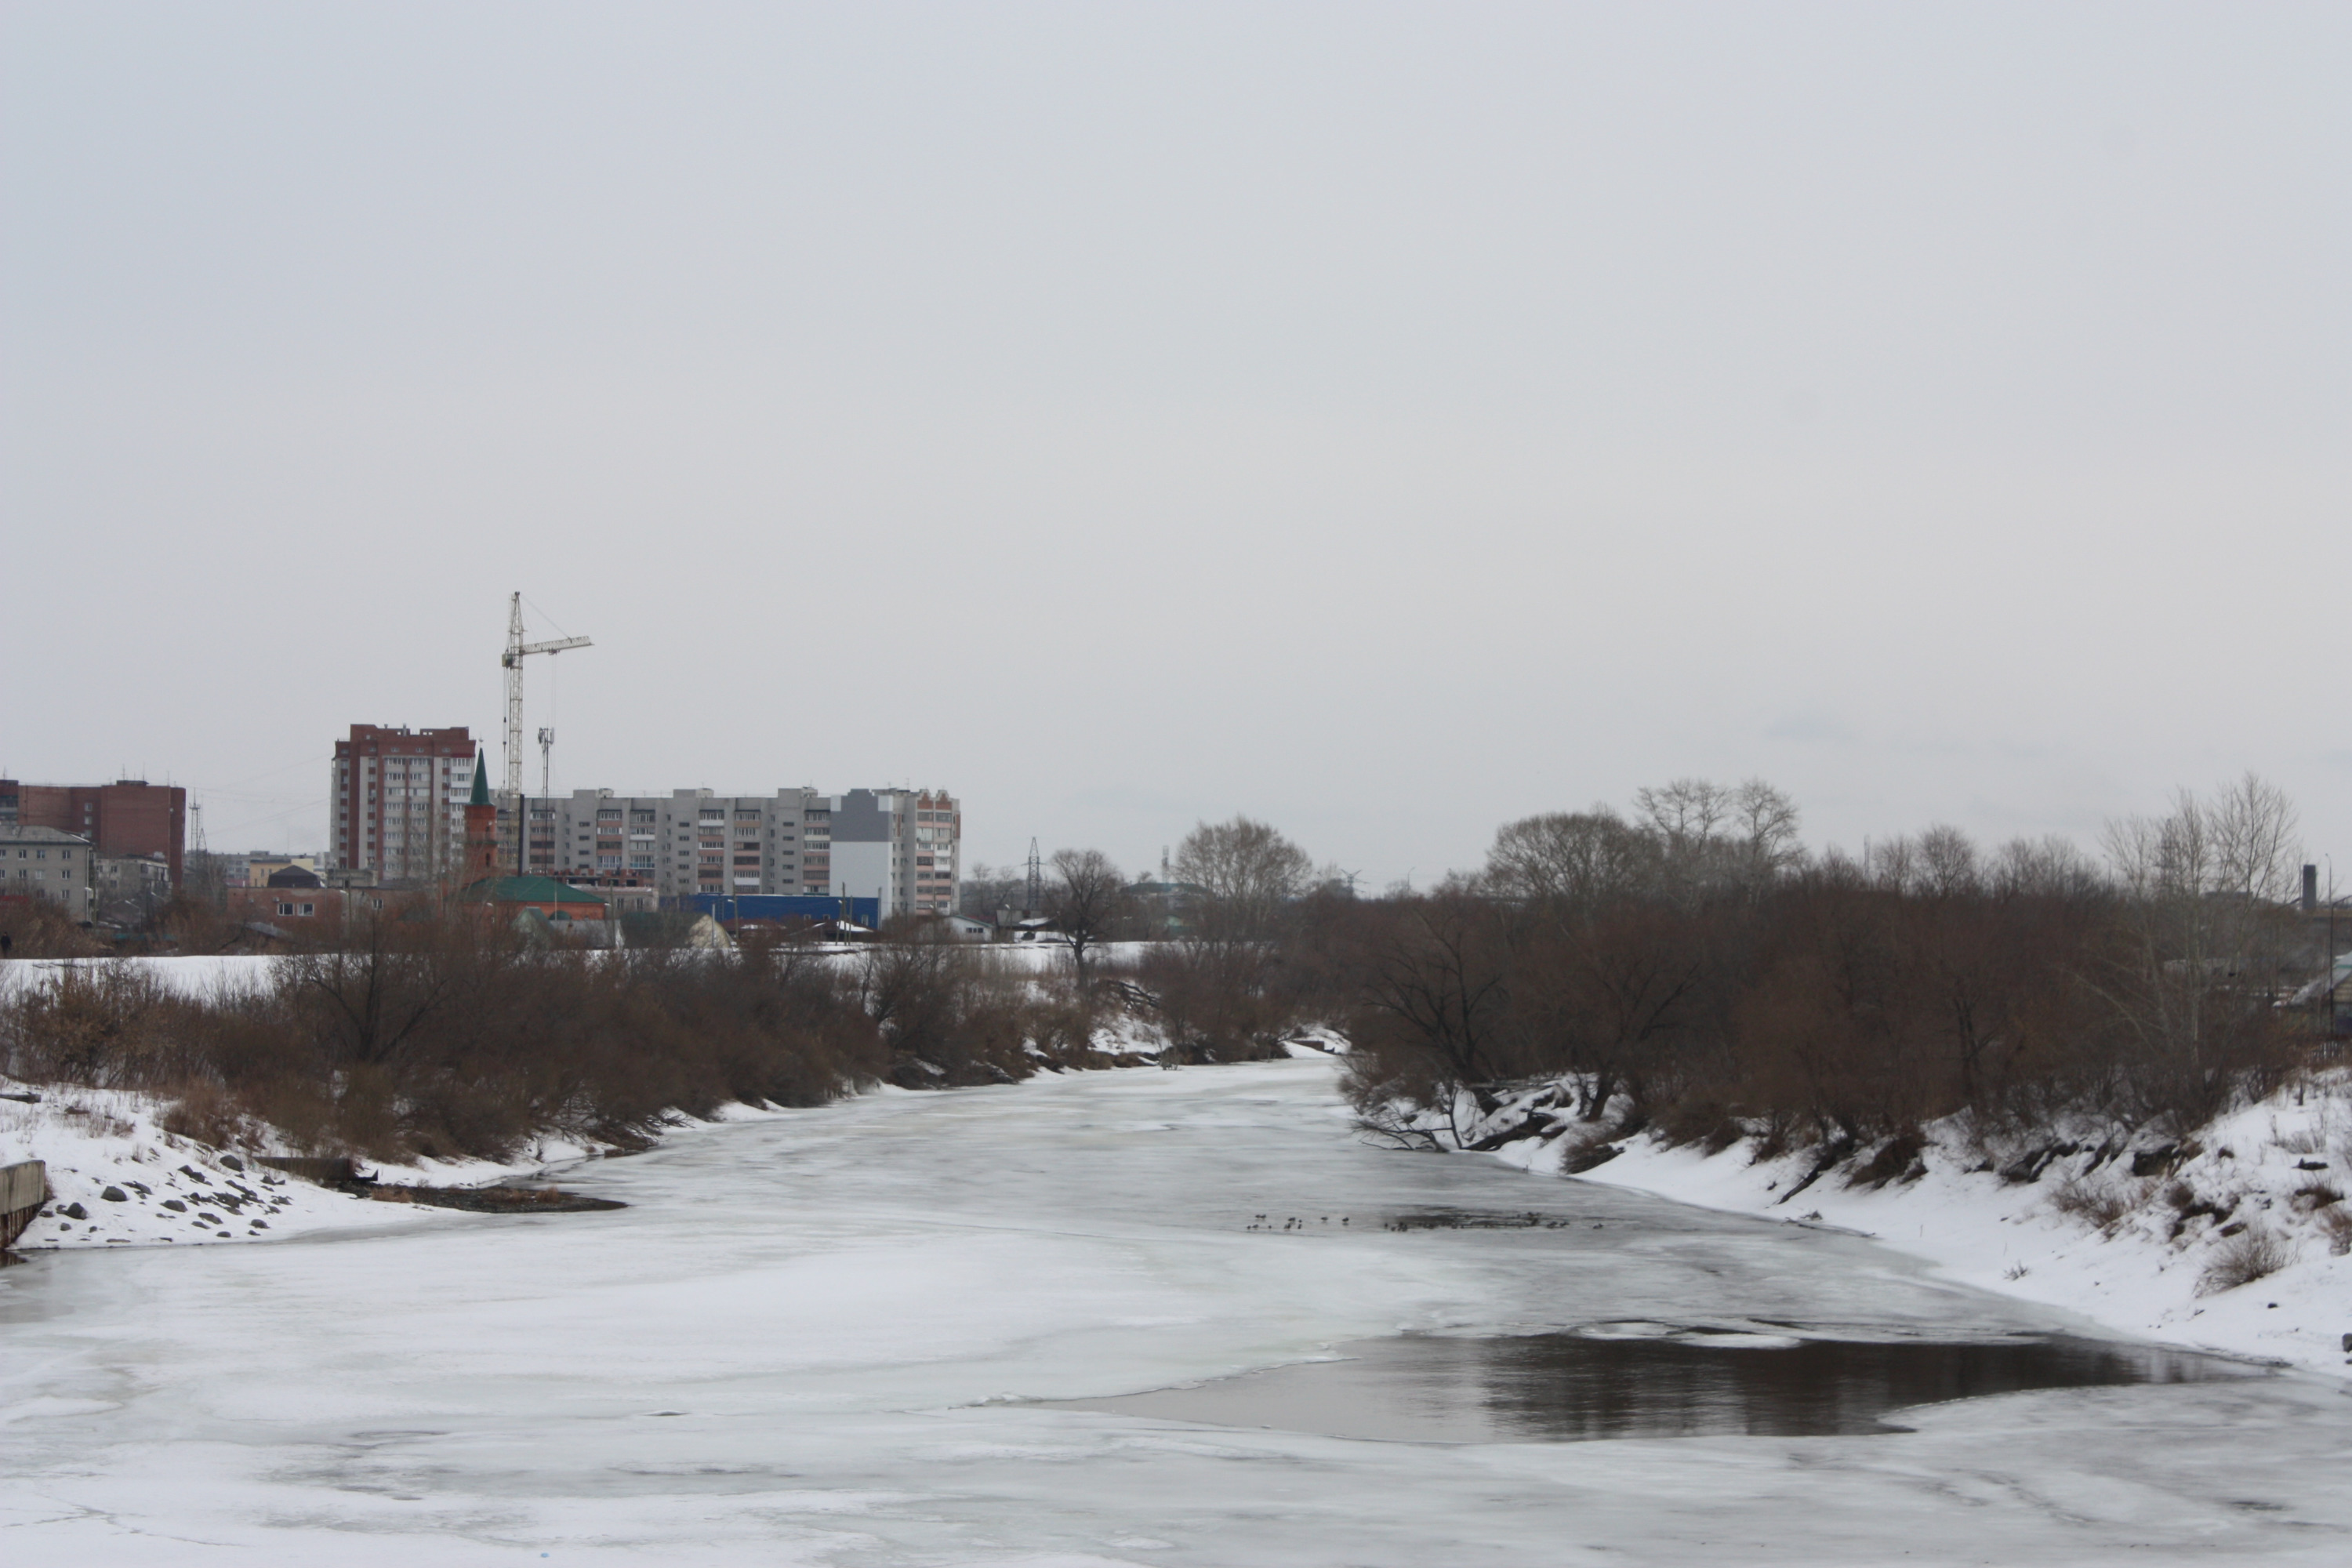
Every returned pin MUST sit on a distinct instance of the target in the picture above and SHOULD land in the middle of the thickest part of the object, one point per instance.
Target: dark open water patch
(1645, 1380)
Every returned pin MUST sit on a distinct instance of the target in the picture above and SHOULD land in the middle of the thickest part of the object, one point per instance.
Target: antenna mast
(1033, 896)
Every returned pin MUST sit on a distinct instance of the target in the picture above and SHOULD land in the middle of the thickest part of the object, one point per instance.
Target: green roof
(481, 779)
(529, 890)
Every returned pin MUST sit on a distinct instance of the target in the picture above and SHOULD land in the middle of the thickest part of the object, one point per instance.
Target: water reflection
(1646, 1381)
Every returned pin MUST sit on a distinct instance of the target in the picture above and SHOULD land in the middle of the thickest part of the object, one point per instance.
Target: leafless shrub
(2303, 1140)
(2336, 1224)
(2099, 1204)
(2252, 1253)
(1397, 1125)
(206, 1112)
(1701, 1121)
(453, 1036)
(2318, 1195)
(101, 1023)
(38, 929)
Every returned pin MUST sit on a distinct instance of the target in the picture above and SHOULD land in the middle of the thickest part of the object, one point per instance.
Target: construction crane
(517, 649)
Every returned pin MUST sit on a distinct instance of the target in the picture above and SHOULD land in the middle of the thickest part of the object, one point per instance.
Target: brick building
(399, 800)
(297, 902)
(128, 817)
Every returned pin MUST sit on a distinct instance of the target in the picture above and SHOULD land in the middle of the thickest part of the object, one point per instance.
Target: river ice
(811, 1339)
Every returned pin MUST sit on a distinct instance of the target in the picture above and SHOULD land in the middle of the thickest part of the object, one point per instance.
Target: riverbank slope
(2238, 1240)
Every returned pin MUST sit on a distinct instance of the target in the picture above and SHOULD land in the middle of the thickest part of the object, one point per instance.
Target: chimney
(2310, 888)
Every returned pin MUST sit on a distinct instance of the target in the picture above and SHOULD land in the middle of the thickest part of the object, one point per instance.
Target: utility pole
(199, 876)
(517, 649)
(547, 794)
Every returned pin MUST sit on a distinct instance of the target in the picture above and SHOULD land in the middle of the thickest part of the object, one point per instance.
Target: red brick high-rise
(129, 817)
(400, 800)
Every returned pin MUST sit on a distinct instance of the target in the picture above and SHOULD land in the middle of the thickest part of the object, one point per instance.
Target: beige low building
(45, 863)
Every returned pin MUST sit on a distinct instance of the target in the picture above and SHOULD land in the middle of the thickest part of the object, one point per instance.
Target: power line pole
(547, 797)
(1033, 897)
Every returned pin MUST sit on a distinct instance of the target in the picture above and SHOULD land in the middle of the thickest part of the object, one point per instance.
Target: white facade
(901, 846)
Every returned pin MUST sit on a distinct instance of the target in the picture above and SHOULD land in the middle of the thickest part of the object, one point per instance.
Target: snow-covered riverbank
(120, 1178)
(2149, 1254)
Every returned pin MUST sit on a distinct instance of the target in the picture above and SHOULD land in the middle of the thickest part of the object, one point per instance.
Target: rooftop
(527, 891)
(13, 834)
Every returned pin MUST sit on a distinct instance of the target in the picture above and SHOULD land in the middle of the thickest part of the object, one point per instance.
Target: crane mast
(517, 649)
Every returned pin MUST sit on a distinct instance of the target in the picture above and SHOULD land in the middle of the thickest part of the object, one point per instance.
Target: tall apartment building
(901, 846)
(400, 802)
(127, 817)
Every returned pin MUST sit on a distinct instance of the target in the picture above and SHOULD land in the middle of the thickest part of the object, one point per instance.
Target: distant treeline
(1687, 966)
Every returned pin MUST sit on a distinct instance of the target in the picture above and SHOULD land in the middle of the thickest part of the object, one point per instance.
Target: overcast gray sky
(1386, 420)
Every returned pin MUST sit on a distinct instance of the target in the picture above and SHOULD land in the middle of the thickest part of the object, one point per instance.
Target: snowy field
(811, 1338)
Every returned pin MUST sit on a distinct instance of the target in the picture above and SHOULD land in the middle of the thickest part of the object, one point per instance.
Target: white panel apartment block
(904, 846)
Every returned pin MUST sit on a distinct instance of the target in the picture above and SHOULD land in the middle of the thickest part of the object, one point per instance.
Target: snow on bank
(119, 1178)
(2147, 1254)
(181, 976)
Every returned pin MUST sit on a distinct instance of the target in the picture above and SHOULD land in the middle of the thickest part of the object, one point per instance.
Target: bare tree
(1213, 989)
(1570, 860)
(1088, 897)
(1892, 864)
(1710, 836)
(2205, 934)
(2255, 851)
(2050, 866)
(1435, 988)
(1767, 823)
(1246, 873)
(987, 889)
(1948, 861)
(1686, 813)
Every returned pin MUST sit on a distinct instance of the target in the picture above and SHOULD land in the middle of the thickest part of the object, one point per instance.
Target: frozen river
(820, 1339)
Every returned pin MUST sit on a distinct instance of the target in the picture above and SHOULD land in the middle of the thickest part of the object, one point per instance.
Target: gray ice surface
(813, 1339)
